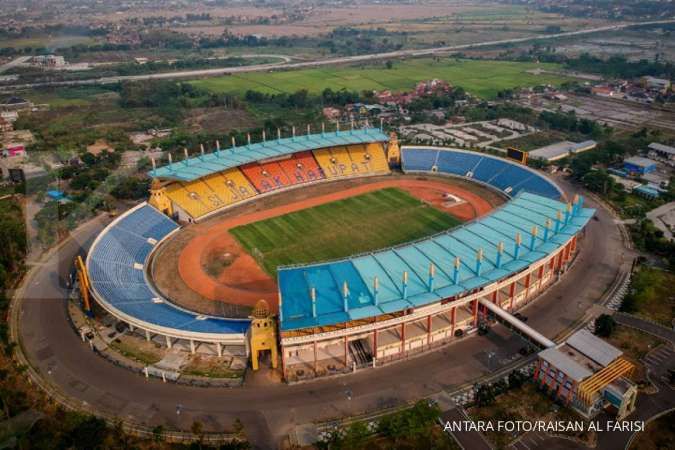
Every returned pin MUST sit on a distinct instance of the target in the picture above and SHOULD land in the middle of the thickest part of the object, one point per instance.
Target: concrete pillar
(453, 316)
(475, 313)
(527, 285)
(429, 329)
(192, 347)
(512, 292)
(131, 328)
(374, 344)
(147, 336)
(168, 342)
(219, 349)
(315, 360)
(403, 337)
(346, 345)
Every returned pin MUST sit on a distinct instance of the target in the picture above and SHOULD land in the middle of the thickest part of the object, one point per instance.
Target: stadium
(331, 252)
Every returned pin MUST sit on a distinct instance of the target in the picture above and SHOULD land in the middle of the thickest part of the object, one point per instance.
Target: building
(662, 151)
(561, 150)
(15, 104)
(49, 61)
(5, 125)
(588, 375)
(648, 191)
(637, 165)
(331, 113)
(603, 91)
(657, 84)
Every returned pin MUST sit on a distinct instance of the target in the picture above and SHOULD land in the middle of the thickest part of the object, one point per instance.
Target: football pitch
(342, 228)
(482, 78)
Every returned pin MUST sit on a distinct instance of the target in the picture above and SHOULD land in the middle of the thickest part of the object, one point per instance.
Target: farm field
(481, 78)
(338, 229)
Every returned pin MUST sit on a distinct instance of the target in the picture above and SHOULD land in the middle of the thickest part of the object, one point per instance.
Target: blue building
(638, 165)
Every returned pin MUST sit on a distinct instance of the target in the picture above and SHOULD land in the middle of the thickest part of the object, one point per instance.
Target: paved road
(334, 61)
(645, 325)
(467, 438)
(269, 412)
(14, 63)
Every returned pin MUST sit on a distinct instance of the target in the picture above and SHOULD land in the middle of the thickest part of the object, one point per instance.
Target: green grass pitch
(366, 222)
(481, 78)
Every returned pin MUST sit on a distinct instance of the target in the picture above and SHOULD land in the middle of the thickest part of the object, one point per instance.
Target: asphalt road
(334, 61)
(271, 411)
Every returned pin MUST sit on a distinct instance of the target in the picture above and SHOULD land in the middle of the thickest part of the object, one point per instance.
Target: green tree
(604, 325)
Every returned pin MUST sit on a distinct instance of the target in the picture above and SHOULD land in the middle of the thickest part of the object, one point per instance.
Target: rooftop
(561, 149)
(594, 347)
(341, 291)
(662, 148)
(565, 362)
(219, 160)
(639, 161)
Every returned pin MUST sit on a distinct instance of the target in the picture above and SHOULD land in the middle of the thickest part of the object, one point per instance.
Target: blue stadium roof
(329, 282)
(203, 165)
(115, 264)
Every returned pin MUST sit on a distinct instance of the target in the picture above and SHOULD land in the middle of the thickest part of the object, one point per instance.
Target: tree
(604, 325)
(389, 65)
(485, 395)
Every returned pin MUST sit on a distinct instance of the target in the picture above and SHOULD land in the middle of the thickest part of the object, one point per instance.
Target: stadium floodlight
(516, 249)
(432, 272)
(533, 239)
(547, 229)
(376, 286)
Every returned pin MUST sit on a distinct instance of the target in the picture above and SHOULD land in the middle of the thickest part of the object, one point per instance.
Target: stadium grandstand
(490, 170)
(383, 306)
(360, 311)
(117, 263)
(203, 185)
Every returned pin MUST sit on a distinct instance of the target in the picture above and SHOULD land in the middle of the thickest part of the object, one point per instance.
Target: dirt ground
(204, 262)
(219, 120)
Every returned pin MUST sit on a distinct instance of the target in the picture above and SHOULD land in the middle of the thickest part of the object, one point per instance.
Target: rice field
(481, 78)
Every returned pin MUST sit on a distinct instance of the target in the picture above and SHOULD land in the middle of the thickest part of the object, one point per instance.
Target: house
(603, 91)
(331, 113)
(5, 125)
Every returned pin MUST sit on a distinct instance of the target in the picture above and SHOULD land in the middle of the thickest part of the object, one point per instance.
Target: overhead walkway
(518, 324)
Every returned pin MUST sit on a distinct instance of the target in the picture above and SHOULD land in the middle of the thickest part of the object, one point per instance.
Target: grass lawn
(211, 367)
(481, 78)
(48, 41)
(534, 141)
(338, 229)
(651, 295)
(635, 345)
(141, 351)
